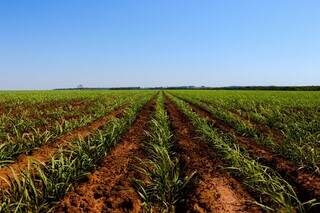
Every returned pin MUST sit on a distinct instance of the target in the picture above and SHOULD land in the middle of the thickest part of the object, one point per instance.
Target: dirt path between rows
(46, 151)
(215, 190)
(109, 188)
(307, 185)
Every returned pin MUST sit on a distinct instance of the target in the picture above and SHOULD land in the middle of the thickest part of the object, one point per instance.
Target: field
(159, 151)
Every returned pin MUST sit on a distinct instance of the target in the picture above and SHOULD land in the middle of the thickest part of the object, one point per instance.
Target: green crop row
(40, 187)
(297, 149)
(162, 186)
(289, 111)
(273, 192)
(25, 143)
(25, 117)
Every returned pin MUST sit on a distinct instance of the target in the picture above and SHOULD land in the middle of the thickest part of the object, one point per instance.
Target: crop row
(38, 188)
(30, 118)
(25, 143)
(162, 187)
(164, 176)
(271, 190)
(297, 144)
(296, 114)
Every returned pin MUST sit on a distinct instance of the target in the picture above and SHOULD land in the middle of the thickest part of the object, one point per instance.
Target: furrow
(110, 188)
(306, 184)
(215, 190)
(46, 151)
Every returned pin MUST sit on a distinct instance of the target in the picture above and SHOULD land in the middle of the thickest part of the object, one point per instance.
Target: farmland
(160, 151)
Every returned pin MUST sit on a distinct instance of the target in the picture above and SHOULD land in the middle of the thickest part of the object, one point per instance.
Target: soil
(46, 151)
(110, 188)
(1, 109)
(214, 190)
(307, 185)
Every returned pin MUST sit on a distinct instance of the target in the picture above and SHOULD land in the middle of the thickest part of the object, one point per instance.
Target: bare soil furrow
(110, 188)
(214, 190)
(45, 152)
(306, 184)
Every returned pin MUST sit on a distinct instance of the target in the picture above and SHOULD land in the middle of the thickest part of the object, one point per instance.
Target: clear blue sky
(47, 44)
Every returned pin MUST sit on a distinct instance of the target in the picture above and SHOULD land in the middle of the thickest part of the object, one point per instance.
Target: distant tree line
(279, 88)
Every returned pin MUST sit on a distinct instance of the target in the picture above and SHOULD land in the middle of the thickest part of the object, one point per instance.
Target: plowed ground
(215, 190)
(307, 185)
(46, 151)
(109, 188)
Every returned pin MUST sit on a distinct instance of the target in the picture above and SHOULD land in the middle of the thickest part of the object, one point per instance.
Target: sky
(46, 44)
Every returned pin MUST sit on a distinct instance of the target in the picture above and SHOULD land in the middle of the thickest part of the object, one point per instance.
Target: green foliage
(274, 192)
(24, 143)
(163, 184)
(295, 114)
(39, 187)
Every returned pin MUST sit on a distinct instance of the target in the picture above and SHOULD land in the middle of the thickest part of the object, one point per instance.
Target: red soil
(215, 191)
(45, 152)
(307, 185)
(1, 109)
(109, 188)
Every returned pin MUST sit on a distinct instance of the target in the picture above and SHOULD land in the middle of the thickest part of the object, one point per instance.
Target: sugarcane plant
(272, 191)
(39, 187)
(162, 185)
